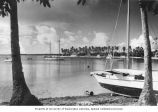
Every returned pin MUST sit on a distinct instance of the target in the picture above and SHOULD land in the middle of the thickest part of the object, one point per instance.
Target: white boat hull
(124, 85)
(8, 60)
(54, 58)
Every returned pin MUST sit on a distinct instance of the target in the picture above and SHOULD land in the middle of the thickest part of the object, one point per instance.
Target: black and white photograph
(78, 55)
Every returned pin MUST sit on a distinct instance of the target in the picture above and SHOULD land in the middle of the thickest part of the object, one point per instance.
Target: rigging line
(114, 30)
(116, 23)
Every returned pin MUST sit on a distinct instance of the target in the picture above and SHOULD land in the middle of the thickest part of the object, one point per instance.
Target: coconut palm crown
(5, 7)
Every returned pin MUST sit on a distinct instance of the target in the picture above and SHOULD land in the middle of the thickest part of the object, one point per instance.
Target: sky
(78, 26)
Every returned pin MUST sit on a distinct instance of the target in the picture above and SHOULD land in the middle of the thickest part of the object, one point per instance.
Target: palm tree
(147, 96)
(21, 94)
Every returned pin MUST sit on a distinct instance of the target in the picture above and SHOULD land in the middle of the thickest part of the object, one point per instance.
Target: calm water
(69, 77)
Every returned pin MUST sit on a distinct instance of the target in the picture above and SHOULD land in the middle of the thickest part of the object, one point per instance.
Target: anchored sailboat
(124, 81)
(55, 57)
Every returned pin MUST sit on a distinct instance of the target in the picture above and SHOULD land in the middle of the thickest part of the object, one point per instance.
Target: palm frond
(151, 5)
(124, 1)
(82, 2)
(5, 6)
(46, 3)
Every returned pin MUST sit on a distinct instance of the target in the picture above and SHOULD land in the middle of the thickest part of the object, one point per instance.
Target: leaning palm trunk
(21, 94)
(147, 96)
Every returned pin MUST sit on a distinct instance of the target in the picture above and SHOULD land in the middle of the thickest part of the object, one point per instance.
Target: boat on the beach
(124, 81)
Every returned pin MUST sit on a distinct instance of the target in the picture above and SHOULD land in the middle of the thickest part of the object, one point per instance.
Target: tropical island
(104, 51)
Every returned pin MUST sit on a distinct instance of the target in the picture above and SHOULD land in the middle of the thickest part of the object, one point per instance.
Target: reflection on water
(69, 77)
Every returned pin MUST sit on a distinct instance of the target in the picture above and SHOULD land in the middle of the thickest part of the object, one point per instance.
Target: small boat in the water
(8, 60)
(124, 81)
(53, 58)
(109, 56)
(29, 58)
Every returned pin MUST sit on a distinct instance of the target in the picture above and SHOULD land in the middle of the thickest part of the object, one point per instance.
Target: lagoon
(68, 77)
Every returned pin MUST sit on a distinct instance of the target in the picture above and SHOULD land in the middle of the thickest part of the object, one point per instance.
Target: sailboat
(51, 57)
(127, 82)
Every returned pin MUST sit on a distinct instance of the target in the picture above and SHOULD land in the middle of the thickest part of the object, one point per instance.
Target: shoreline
(89, 57)
(96, 100)
(104, 99)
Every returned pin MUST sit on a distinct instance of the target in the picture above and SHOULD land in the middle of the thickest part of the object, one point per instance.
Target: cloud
(5, 39)
(123, 44)
(74, 39)
(68, 33)
(47, 35)
(79, 40)
(37, 39)
(34, 39)
(85, 40)
(71, 38)
(140, 42)
(68, 41)
(137, 42)
(101, 39)
(22, 49)
(27, 30)
(4, 33)
(65, 43)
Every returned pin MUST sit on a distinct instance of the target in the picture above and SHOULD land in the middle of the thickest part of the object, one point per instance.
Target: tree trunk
(147, 96)
(21, 94)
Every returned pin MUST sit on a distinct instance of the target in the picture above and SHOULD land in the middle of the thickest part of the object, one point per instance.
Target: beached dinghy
(124, 81)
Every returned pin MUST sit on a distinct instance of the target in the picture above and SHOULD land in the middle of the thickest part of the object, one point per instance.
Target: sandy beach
(104, 99)
(96, 100)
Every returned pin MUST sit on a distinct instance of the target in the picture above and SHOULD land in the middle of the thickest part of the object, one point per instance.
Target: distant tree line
(104, 51)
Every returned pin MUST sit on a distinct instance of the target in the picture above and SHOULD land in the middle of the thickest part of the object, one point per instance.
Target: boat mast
(59, 45)
(128, 32)
(50, 47)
